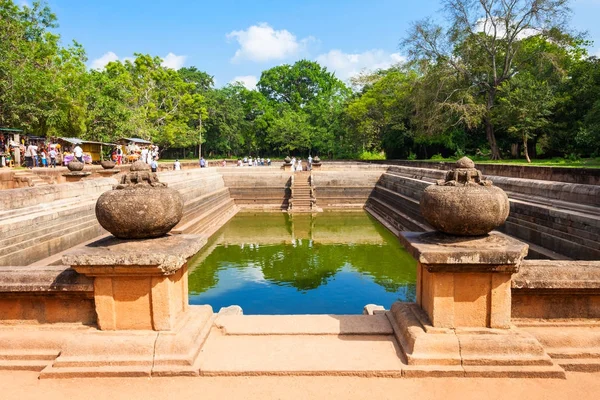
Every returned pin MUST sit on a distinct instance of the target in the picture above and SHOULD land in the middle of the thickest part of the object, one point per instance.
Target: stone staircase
(27, 175)
(302, 199)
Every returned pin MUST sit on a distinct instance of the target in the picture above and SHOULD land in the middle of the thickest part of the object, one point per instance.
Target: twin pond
(327, 263)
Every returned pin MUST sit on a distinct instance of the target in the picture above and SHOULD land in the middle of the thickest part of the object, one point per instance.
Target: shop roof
(135, 140)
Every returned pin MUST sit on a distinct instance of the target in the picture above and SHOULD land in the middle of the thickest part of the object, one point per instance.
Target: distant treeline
(501, 79)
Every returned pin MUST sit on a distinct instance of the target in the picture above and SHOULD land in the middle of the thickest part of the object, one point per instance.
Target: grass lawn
(550, 162)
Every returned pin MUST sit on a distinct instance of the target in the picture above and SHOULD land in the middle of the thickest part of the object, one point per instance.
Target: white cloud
(347, 65)
(263, 43)
(249, 81)
(100, 63)
(173, 61)
(169, 61)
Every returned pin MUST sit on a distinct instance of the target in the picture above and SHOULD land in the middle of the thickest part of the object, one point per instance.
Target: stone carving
(75, 165)
(106, 164)
(140, 206)
(464, 203)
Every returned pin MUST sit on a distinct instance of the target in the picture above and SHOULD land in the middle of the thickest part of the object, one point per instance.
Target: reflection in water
(279, 264)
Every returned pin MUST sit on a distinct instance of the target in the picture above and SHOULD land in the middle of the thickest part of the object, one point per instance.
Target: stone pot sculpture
(107, 164)
(316, 160)
(464, 203)
(287, 160)
(75, 165)
(140, 207)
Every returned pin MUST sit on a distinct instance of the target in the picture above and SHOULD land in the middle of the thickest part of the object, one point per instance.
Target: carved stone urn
(75, 165)
(140, 207)
(464, 203)
(106, 164)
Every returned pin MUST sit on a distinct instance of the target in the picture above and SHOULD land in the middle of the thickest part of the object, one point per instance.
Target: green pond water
(328, 263)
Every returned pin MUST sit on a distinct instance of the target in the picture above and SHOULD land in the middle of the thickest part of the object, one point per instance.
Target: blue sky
(238, 39)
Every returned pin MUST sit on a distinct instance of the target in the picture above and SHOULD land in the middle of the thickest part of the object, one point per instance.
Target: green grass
(550, 162)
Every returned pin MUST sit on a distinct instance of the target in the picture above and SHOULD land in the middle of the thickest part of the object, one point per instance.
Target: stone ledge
(539, 275)
(55, 278)
(166, 254)
(495, 252)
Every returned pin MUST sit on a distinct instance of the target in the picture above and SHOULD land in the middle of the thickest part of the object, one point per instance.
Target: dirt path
(25, 386)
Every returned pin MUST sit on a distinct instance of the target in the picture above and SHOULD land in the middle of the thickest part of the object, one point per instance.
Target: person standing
(154, 166)
(202, 162)
(309, 162)
(44, 159)
(177, 165)
(28, 160)
(119, 155)
(145, 157)
(34, 155)
(52, 154)
(78, 153)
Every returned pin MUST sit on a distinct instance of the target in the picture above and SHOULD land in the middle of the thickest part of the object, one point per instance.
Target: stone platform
(226, 344)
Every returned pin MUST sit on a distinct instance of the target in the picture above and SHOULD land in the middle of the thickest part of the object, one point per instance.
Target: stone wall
(585, 176)
(558, 220)
(45, 295)
(39, 222)
(344, 188)
(258, 187)
(548, 289)
(9, 181)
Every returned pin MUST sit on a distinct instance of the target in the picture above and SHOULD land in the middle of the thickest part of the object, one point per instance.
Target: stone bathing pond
(326, 263)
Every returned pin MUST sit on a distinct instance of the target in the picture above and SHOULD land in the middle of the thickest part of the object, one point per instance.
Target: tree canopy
(501, 78)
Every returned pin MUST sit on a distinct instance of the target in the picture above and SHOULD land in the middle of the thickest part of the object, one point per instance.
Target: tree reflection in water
(327, 263)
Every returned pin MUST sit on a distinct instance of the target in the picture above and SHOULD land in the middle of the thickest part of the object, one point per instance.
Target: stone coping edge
(167, 253)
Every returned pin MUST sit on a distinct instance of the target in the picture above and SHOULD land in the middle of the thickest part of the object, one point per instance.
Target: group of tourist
(297, 164)
(133, 152)
(256, 162)
(41, 155)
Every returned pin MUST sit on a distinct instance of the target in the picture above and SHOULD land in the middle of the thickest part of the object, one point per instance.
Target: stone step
(358, 355)
(579, 364)
(23, 225)
(193, 225)
(544, 228)
(397, 218)
(217, 218)
(43, 229)
(42, 209)
(573, 249)
(38, 355)
(203, 202)
(26, 239)
(51, 244)
(24, 365)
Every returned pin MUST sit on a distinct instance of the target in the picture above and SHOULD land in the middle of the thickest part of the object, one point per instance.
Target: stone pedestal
(287, 167)
(76, 176)
(315, 165)
(138, 284)
(460, 324)
(107, 173)
(465, 281)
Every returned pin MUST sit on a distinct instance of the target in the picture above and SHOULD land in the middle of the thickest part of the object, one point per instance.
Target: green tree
(379, 117)
(481, 46)
(525, 104)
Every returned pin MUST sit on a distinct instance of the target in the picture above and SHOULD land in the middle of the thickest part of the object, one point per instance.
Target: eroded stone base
(135, 353)
(470, 352)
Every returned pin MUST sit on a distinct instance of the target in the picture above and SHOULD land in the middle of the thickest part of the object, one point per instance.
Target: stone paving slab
(357, 355)
(304, 325)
